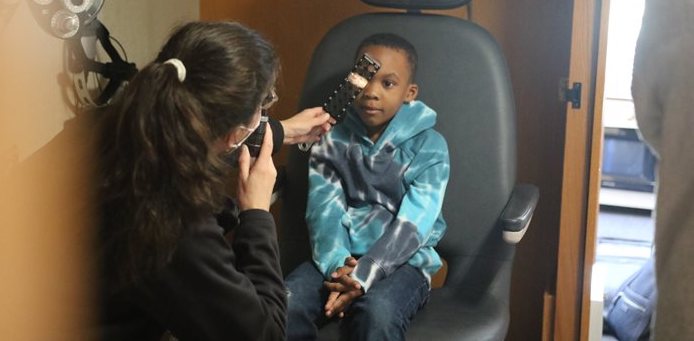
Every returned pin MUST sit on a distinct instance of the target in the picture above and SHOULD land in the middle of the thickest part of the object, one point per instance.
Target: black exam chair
(463, 76)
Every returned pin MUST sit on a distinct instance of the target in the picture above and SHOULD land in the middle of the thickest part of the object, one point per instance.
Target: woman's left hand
(307, 126)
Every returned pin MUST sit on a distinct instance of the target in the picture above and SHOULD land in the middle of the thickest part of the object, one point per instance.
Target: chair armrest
(518, 212)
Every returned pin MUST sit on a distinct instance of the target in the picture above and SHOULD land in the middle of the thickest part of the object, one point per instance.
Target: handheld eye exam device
(337, 104)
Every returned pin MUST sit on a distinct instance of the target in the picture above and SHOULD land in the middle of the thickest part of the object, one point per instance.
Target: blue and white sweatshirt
(379, 201)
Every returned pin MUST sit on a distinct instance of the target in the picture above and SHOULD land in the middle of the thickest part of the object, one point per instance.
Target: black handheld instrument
(255, 141)
(338, 103)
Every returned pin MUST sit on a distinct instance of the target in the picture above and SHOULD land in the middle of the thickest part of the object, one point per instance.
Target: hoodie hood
(412, 118)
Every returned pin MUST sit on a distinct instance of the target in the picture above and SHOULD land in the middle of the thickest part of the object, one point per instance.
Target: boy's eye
(388, 83)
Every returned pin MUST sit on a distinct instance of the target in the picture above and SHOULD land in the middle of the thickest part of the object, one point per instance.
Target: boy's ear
(412, 91)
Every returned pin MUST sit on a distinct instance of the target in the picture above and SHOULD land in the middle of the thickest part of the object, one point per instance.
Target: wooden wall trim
(595, 173)
(574, 199)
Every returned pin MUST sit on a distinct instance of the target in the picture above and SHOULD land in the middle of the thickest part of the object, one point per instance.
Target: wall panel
(45, 220)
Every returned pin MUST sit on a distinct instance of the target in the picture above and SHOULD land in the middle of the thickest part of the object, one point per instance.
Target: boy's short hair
(396, 42)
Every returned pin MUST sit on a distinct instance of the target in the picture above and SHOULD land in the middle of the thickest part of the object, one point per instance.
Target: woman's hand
(256, 180)
(306, 126)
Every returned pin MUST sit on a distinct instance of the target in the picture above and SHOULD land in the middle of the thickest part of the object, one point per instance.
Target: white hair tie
(180, 68)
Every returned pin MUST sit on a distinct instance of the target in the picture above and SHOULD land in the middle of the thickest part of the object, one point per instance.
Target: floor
(625, 240)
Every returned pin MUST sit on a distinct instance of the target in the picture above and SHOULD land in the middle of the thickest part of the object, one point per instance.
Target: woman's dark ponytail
(159, 170)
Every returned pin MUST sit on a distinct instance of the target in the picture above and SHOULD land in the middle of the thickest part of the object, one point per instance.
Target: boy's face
(387, 91)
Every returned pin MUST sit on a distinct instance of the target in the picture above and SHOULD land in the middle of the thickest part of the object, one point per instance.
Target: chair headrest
(418, 4)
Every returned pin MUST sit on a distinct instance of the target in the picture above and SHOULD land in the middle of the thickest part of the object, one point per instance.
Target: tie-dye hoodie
(379, 201)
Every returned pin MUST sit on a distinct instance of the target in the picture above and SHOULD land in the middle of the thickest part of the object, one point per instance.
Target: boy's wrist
(362, 284)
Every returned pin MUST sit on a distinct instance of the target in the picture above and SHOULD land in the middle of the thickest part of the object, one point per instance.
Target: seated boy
(376, 186)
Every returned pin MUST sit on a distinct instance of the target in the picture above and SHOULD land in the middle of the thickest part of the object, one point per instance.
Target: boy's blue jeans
(383, 313)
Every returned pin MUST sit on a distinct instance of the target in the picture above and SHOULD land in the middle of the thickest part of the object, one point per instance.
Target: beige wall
(143, 26)
(32, 106)
(45, 227)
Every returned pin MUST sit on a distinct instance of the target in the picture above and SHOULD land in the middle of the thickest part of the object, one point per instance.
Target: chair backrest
(463, 76)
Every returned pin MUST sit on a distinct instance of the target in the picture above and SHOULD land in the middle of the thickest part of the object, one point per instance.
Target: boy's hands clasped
(343, 289)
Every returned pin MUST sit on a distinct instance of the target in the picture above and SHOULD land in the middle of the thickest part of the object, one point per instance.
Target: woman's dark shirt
(212, 289)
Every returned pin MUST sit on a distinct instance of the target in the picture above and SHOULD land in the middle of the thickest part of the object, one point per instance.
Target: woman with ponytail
(166, 264)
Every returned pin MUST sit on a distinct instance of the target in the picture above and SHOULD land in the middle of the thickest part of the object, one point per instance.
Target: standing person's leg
(305, 300)
(662, 89)
(385, 311)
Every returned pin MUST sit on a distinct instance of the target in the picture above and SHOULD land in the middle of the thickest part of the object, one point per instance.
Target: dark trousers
(383, 313)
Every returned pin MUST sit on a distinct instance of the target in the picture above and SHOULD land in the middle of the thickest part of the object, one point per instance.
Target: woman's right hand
(256, 178)
(307, 126)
